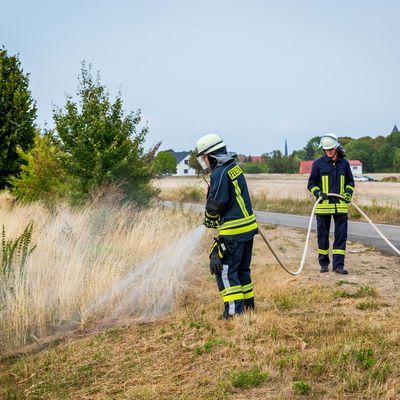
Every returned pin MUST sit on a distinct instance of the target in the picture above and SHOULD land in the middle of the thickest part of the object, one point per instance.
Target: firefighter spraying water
(229, 208)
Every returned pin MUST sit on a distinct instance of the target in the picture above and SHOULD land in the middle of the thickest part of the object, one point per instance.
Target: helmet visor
(202, 162)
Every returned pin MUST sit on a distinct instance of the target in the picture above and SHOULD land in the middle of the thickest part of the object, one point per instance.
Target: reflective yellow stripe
(314, 189)
(341, 184)
(239, 230)
(245, 288)
(239, 198)
(248, 295)
(323, 252)
(213, 217)
(213, 246)
(238, 222)
(231, 289)
(325, 187)
(232, 297)
(338, 251)
(350, 187)
(326, 206)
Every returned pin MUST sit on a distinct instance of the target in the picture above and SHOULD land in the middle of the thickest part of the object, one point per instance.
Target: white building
(356, 167)
(182, 164)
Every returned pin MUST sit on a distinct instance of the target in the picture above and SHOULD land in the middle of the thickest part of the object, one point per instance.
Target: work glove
(323, 196)
(215, 264)
(210, 221)
(347, 197)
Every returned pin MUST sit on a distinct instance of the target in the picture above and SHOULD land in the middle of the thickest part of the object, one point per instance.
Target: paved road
(358, 231)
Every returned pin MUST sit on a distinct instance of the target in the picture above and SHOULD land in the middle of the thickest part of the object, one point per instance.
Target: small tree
(17, 116)
(102, 144)
(42, 176)
(165, 163)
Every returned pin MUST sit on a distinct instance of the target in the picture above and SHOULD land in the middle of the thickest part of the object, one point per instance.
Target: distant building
(355, 166)
(305, 166)
(395, 130)
(182, 164)
(243, 159)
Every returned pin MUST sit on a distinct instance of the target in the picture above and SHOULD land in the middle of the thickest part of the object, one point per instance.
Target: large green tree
(363, 149)
(165, 163)
(17, 116)
(103, 145)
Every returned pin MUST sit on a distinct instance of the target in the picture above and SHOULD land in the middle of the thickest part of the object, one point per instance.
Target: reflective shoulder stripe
(239, 198)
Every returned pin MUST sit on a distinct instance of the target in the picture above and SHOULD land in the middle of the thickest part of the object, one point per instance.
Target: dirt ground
(367, 267)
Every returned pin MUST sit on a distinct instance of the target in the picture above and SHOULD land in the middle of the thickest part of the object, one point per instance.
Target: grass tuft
(301, 388)
(249, 378)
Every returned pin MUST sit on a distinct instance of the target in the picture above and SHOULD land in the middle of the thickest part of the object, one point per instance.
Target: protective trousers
(234, 282)
(339, 245)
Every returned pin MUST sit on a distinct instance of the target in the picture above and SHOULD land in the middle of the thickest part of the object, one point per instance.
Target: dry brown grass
(307, 329)
(77, 272)
(289, 194)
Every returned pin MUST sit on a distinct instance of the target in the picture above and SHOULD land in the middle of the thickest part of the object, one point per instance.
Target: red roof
(305, 166)
(355, 162)
(253, 158)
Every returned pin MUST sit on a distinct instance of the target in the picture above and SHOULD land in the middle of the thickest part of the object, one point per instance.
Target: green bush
(42, 176)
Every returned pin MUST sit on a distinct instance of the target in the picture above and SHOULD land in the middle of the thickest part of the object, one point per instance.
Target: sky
(256, 72)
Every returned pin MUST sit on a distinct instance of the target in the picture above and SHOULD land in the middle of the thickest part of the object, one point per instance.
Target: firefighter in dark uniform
(229, 208)
(331, 174)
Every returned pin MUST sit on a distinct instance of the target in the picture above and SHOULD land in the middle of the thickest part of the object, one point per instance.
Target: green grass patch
(367, 305)
(364, 291)
(301, 388)
(250, 378)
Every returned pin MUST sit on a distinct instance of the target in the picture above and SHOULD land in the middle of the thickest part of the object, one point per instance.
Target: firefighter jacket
(228, 201)
(330, 176)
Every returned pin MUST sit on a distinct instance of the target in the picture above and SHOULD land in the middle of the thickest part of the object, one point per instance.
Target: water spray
(149, 289)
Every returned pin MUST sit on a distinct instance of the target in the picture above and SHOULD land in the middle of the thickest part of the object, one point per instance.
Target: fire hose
(300, 269)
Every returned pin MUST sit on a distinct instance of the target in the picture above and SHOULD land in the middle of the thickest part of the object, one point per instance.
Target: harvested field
(281, 186)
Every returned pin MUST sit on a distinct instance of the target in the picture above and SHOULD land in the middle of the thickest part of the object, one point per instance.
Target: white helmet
(207, 144)
(329, 141)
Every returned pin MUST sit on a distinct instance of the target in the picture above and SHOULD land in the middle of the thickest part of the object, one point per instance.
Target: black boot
(324, 268)
(341, 271)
